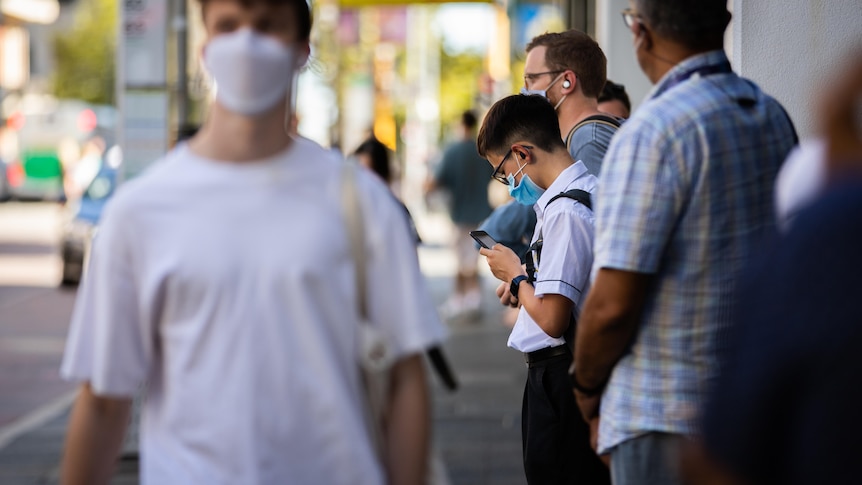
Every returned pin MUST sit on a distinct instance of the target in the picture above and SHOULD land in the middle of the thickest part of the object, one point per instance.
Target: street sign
(143, 96)
(144, 43)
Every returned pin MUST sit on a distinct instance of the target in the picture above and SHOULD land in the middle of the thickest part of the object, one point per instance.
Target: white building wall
(791, 47)
(617, 43)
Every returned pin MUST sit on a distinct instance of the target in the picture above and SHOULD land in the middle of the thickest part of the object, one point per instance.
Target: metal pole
(180, 25)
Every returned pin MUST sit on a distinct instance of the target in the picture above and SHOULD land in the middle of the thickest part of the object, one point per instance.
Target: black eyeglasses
(630, 17)
(497, 174)
(532, 77)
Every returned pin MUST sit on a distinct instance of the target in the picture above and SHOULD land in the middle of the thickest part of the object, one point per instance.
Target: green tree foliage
(84, 57)
(459, 84)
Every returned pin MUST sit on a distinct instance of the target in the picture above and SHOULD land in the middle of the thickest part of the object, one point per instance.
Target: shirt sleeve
(639, 200)
(399, 301)
(567, 251)
(107, 344)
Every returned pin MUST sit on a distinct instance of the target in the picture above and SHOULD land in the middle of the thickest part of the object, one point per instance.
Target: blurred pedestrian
(374, 155)
(520, 137)
(241, 329)
(464, 174)
(614, 100)
(679, 212)
(794, 348)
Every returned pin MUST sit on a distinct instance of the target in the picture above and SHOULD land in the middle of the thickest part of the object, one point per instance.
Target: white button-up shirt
(567, 254)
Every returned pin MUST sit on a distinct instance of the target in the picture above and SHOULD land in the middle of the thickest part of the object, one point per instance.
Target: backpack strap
(535, 252)
(601, 119)
(578, 195)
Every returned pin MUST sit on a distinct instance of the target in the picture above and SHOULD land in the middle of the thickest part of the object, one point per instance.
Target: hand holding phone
(483, 239)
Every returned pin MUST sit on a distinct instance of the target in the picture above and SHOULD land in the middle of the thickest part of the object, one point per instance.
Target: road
(34, 314)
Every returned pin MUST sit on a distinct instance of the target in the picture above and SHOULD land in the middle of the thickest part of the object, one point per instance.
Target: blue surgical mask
(544, 92)
(527, 192)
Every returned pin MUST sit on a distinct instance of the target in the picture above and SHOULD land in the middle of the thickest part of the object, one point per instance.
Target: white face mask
(544, 92)
(253, 72)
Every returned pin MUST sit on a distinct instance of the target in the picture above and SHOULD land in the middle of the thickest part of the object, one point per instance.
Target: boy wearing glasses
(520, 138)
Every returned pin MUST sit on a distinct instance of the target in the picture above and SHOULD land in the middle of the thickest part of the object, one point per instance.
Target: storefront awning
(31, 11)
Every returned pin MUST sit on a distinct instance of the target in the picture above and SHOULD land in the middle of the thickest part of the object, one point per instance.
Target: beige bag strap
(374, 355)
(353, 217)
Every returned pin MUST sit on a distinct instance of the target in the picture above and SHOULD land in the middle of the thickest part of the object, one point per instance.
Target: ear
(521, 153)
(642, 34)
(568, 82)
(304, 53)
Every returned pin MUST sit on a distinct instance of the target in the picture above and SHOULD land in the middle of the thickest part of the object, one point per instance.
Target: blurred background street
(94, 91)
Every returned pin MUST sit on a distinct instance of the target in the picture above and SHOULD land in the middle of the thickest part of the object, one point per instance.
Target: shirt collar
(561, 184)
(692, 63)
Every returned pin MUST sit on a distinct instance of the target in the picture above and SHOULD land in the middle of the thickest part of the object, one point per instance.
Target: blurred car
(83, 217)
(5, 190)
(48, 134)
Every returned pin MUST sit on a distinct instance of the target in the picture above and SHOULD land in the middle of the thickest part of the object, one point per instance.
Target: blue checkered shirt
(685, 194)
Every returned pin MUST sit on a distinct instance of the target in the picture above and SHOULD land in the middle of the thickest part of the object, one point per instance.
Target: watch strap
(516, 283)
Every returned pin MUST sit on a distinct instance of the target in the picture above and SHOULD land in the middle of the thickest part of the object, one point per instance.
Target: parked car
(48, 134)
(83, 217)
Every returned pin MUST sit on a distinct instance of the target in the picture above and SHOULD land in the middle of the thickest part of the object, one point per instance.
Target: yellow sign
(378, 3)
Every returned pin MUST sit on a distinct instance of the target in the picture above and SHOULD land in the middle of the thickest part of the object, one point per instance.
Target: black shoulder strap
(579, 195)
(603, 119)
(535, 252)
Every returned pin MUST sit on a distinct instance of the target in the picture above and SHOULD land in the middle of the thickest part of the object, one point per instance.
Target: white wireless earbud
(566, 84)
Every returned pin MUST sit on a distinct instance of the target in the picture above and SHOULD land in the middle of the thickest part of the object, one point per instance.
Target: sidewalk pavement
(476, 428)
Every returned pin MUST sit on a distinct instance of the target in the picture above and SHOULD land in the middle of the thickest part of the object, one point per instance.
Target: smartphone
(483, 239)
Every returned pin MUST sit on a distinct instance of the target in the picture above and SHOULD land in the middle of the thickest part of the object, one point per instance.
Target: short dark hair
(696, 24)
(613, 91)
(468, 119)
(577, 52)
(300, 9)
(379, 155)
(516, 118)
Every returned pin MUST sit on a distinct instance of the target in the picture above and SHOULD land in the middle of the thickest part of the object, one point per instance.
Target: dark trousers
(556, 440)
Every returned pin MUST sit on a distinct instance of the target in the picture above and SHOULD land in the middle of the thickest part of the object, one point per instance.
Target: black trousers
(556, 440)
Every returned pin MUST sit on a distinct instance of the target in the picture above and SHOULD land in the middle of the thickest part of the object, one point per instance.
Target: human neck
(556, 162)
(666, 55)
(572, 114)
(232, 137)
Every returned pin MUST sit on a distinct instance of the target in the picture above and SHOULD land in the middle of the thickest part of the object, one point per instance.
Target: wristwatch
(586, 391)
(516, 282)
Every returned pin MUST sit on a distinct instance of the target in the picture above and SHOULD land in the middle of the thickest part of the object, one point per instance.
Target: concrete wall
(791, 47)
(617, 43)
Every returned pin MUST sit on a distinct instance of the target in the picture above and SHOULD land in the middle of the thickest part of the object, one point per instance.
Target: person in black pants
(520, 137)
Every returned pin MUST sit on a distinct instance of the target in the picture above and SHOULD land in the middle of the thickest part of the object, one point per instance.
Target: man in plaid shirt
(685, 195)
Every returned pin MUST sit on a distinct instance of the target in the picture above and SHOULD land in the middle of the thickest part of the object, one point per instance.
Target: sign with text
(144, 32)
